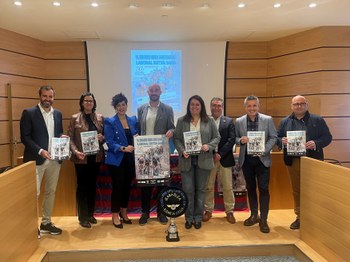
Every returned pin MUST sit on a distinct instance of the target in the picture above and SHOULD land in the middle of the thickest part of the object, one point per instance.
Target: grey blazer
(209, 135)
(164, 119)
(265, 124)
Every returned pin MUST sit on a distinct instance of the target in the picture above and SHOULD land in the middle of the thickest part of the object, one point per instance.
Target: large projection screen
(202, 66)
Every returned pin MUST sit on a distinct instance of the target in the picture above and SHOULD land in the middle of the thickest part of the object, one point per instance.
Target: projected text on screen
(161, 67)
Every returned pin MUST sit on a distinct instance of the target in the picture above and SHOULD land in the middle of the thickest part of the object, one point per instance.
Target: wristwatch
(123, 148)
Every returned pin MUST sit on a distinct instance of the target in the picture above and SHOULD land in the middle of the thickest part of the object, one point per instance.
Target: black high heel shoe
(125, 221)
(120, 226)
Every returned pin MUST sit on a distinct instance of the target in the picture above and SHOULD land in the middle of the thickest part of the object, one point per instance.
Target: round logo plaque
(172, 202)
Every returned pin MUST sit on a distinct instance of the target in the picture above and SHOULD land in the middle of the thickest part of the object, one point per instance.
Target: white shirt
(197, 127)
(151, 119)
(50, 125)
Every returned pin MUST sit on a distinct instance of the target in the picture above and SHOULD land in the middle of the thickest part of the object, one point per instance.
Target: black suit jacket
(228, 137)
(34, 133)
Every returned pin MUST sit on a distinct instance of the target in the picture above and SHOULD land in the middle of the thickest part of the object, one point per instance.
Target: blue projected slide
(162, 67)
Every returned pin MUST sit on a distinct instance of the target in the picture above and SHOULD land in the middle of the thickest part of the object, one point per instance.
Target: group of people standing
(218, 134)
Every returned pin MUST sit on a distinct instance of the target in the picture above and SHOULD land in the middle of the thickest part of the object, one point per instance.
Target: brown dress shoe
(252, 220)
(207, 216)
(230, 218)
(264, 227)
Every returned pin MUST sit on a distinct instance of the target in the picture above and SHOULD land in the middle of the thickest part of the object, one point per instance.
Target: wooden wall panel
(67, 107)
(339, 127)
(16, 131)
(310, 83)
(241, 87)
(22, 65)
(3, 109)
(68, 89)
(4, 132)
(335, 105)
(281, 106)
(64, 50)
(324, 105)
(19, 104)
(310, 61)
(325, 210)
(246, 69)
(20, 43)
(235, 107)
(339, 150)
(314, 38)
(65, 69)
(247, 50)
(20, 86)
(5, 159)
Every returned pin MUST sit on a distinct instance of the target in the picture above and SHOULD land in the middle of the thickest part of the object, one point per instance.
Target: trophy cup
(172, 203)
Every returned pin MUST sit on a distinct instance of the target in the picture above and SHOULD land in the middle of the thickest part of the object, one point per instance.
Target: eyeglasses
(299, 104)
(88, 101)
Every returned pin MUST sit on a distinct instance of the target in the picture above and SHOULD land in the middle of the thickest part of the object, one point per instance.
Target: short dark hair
(251, 97)
(203, 113)
(119, 98)
(217, 99)
(81, 101)
(46, 88)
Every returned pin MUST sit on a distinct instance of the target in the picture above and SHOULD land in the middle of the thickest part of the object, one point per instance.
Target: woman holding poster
(120, 130)
(86, 132)
(195, 165)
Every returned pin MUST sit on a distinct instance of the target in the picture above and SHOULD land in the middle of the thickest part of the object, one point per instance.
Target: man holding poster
(256, 165)
(317, 136)
(155, 118)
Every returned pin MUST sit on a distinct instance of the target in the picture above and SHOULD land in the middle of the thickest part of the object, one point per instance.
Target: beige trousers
(51, 170)
(226, 181)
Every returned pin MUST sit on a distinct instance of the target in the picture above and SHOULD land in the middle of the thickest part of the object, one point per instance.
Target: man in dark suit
(223, 160)
(155, 118)
(318, 136)
(256, 167)
(38, 126)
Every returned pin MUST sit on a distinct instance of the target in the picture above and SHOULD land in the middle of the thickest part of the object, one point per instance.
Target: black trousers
(256, 173)
(122, 177)
(146, 195)
(86, 188)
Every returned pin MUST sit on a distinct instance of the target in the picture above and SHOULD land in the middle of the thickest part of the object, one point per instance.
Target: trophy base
(172, 237)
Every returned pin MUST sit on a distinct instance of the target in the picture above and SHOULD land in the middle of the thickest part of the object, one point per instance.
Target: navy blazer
(115, 137)
(316, 130)
(227, 141)
(34, 133)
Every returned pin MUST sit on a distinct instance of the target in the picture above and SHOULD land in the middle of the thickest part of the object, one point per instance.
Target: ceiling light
(132, 6)
(241, 5)
(94, 4)
(56, 3)
(277, 5)
(18, 3)
(168, 6)
(312, 5)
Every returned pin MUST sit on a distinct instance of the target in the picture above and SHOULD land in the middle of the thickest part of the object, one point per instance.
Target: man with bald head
(155, 118)
(318, 136)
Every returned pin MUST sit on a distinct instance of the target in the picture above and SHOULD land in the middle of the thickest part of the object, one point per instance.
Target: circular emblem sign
(172, 202)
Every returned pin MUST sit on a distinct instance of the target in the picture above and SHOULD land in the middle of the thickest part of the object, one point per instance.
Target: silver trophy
(172, 203)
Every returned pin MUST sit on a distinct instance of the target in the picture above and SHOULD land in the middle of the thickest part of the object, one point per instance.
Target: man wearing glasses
(318, 136)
